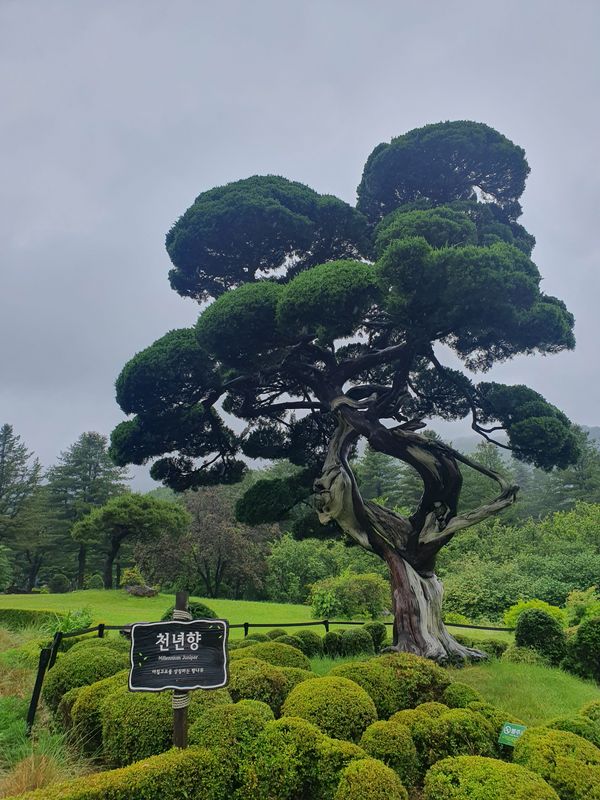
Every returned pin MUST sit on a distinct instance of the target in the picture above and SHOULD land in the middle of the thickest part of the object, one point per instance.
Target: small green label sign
(511, 733)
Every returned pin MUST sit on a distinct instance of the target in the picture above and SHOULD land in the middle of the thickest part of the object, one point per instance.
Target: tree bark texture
(409, 545)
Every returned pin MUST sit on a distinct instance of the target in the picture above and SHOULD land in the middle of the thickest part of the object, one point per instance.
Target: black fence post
(54, 648)
(326, 624)
(101, 630)
(246, 627)
(37, 688)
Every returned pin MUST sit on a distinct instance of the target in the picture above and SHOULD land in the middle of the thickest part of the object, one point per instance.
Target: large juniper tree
(326, 326)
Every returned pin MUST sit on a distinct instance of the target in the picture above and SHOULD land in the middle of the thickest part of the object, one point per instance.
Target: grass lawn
(116, 607)
(533, 694)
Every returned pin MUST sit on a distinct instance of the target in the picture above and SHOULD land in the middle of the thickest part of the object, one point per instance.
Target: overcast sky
(116, 114)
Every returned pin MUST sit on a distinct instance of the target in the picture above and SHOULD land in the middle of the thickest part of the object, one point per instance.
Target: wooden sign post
(183, 654)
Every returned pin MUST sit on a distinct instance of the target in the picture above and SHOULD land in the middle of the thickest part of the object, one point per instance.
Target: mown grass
(534, 694)
(116, 607)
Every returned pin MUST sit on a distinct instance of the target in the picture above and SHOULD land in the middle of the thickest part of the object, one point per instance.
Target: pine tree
(20, 474)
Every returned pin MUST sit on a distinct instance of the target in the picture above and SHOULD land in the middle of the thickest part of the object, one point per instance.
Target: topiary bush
(197, 609)
(350, 595)
(312, 643)
(541, 632)
(493, 647)
(252, 679)
(558, 757)
(292, 640)
(260, 637)
(495, 716)
(356, 641)
(293, 676)
(583, 650)
(417, 680)
(523, 655)
(234, 726)
(333, 756)
(459, 695)
(377, 682)
(338, 706)
(578, 724)
(80, 669)
(377, 631)
(85, 713)
(479, 778)
(281, 762)
(64, 712)
(392, 743)
(433, 709)
(511, 615)
(195, 773)
(369, 779)
(136, 725)
(460, 731)
(59, 583)
(275, 653)
(275, 633)
(332, 644)
(120, 644)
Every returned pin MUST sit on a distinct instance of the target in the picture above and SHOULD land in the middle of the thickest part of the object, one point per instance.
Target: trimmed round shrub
(591, 710)
(377, 631)
(197, 609)
(369, 779)
(81, 669)
(582, 726)
(583, 650)
(493, 647)
(94, 581)
(377, 682)
(136, 725)
(294, 676)
(495, 716)
(523, 655)
(120, 645)
(275, 653)
(392, 743)
(557, 756)
(233, 726)
(312, 643)
(417, 680)
(59, 583)
(252, 679)
(275, 633)
(195, 773)
(338, 706)
(282, 761)
(460, 731)
(85, 713)
(292, 640)
(479, 778)
(239, 644)
(332, 644)
(333, 756)
(511, 615)
(356, 641)
(432, 709)
(541, 632)
(459, 695)
(260, 637)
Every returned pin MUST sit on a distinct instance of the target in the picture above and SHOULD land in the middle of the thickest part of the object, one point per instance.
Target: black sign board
(178, 655)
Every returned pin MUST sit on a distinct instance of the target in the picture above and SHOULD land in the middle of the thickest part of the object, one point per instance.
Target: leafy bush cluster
(350, 595)
(81, 668)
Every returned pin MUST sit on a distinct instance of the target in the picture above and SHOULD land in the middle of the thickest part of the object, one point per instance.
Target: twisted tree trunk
(408, 545)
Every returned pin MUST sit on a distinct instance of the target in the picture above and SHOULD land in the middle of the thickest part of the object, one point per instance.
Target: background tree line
(79, 519)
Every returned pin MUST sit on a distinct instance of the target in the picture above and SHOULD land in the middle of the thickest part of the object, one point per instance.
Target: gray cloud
(117, 114)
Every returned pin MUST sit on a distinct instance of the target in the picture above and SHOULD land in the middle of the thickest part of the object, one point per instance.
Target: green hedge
(582, 726)
(392, 743)
(558, 756)
(85, 712)
(369, 779)
(137, 725)
(417, 680)
(476, 778)
(377, 681)
(338, 706)
(275, 653)
(192, 774)
(18, 618)
(234, 726)
(80, 668)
